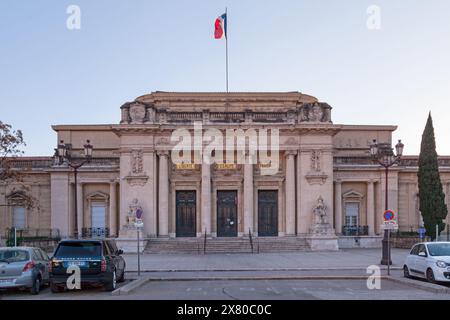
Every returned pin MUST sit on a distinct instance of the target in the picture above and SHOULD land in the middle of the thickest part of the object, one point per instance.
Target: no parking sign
(388, 215)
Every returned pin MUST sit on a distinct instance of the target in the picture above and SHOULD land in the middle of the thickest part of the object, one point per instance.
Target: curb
(261, 269)
(133, 285)
(435, 288)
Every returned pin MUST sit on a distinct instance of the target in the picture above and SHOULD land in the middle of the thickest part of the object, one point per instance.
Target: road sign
(390, 225)
(388, 215)
(139, 223)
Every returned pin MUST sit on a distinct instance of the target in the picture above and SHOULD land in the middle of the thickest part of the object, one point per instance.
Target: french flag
(220, 27)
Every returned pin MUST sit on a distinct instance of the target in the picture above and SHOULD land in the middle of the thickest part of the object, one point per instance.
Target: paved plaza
(342, 259)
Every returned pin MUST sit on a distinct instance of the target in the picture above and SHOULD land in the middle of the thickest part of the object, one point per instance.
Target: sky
(393, 75)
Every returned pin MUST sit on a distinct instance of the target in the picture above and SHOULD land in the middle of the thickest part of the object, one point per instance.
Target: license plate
(76, 263)
(6, 280)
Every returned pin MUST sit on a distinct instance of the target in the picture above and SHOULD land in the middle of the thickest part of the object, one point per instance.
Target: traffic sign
(139, 223)
(388, 215)
(390, 225)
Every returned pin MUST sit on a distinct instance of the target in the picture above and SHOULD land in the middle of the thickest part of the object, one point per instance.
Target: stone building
(321, 166)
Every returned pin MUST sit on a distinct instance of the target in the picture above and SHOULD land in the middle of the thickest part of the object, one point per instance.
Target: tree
(11, 142)
(431, 195)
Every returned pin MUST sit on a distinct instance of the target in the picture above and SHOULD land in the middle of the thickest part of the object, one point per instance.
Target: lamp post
(63, 154)
(383, 153)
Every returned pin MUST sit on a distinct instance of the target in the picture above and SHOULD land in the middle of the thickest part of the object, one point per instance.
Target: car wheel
(122, 277)
(111, 285)
(36, 287)
(406, 273)
(430, 276)
(55, 288)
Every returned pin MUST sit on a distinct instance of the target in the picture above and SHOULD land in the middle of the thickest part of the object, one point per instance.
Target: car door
(421, 261)
(41, 265)
(118, 260)
(45, 260)
(411, 258)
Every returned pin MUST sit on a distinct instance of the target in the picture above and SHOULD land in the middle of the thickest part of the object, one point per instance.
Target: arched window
(18, 202)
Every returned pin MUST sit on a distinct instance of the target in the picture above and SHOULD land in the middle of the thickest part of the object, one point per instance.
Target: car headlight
(441, 264)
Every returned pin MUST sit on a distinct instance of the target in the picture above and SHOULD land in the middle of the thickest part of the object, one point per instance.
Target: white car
(429, 260)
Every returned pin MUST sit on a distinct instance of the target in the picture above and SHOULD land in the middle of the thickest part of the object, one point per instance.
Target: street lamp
(63, 155)
(383, 153)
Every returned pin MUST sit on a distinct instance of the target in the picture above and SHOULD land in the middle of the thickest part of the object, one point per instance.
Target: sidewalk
(343, 259)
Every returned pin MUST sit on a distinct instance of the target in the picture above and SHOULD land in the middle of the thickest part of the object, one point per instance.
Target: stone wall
(406, 242)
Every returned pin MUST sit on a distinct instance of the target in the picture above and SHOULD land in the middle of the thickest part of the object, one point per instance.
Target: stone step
(225, 245)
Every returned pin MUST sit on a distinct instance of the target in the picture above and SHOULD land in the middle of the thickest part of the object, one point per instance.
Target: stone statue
(320, 212)
(134, 208)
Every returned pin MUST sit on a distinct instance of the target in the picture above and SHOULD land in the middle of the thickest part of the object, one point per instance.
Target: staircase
(226, 245)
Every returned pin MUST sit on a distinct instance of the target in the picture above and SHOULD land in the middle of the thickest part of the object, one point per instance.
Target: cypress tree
(431, 195)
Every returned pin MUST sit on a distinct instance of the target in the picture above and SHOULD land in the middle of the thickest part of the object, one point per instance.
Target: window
(71, 249)
(98, 215)
(422, 249)
(12, 255)
(19, 218)
(415, 250)
(351, 213)
(43, 254)
(37, 255)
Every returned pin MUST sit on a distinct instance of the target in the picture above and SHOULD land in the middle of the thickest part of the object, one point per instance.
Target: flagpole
(226, 45)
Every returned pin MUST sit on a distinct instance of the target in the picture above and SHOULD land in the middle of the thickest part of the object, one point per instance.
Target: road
(209, 286)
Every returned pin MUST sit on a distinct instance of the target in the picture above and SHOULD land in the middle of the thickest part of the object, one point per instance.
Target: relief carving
(316, 175)
(137, 166)
(315, 160)
(315, 112)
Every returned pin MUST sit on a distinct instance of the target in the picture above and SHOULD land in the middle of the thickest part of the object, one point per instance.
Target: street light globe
(374, 148)
(399, 148)
(62, 151)
(88, 149)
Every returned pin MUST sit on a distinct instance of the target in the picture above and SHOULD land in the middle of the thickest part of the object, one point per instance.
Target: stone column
(59, 202)
(163, 213)
(290, 193)
(206, 197)
(370, 208)
(248, 195)
(112, 209)
(80, 208)
(338, 206)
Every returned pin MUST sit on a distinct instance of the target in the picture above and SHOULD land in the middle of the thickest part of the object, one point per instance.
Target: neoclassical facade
(134, 167)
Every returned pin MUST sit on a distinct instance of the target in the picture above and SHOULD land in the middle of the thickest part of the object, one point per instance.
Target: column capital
(290, 153)
(162, 153)
(338, 181)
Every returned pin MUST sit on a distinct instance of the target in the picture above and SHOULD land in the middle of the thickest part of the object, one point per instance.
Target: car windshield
(439, 249)
(79, 249)
(13, 255)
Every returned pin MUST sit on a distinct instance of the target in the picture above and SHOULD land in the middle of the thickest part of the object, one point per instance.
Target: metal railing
(23, 237)
(355, 230)
(95, 232)
(251, 238)
(204, 244)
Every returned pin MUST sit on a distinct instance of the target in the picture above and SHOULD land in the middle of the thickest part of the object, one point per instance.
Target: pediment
(352, 194)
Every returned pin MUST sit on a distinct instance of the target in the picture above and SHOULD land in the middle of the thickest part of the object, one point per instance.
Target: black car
(99, 260)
